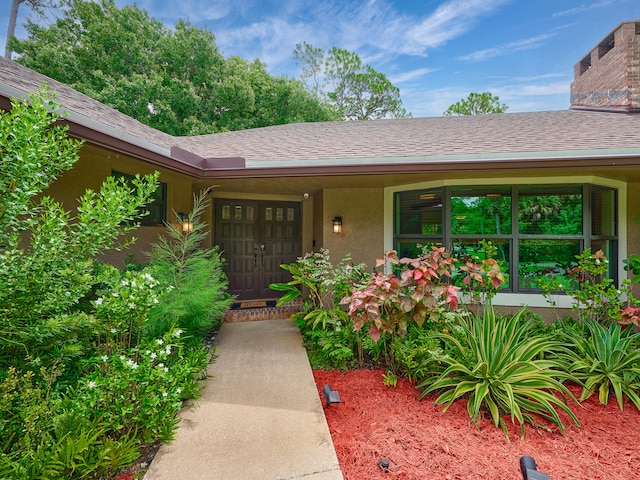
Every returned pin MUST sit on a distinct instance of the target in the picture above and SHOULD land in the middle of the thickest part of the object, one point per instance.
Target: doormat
(253, 304)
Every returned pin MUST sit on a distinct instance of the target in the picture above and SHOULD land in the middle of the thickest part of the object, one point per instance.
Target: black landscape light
(383, 463)
(529, 469)
(330, 396)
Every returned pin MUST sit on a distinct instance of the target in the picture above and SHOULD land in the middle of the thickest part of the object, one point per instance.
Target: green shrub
(81, 386)
(595, 296)
(606, 359)
(414, 292)
(46, 254)
(332, 348)
(318, 282)
(329, 336)
(416, 353)
(197, 298)
(507, 373)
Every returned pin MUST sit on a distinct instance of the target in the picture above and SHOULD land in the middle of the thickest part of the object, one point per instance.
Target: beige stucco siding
(361, 210)
(91, 170)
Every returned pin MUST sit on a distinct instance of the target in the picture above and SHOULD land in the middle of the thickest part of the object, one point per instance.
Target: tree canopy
(37, 6)
(175, 80)
(357, 91)
(477, 104)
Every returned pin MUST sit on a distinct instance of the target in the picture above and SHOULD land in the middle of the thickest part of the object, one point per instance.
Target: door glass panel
(268, 214)
(238, 213)
(279, 214)
(290, 215)
(226, 212)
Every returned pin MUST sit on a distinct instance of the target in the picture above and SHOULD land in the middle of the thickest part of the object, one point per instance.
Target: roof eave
(609, 158)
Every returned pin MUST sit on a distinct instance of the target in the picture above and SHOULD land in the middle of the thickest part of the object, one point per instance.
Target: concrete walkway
(260, 416)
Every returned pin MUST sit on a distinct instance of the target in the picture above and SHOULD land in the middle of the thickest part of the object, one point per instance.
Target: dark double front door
(255, 237)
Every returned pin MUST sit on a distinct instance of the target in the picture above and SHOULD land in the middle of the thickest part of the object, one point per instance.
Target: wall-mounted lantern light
(185, 222)
(337, 225)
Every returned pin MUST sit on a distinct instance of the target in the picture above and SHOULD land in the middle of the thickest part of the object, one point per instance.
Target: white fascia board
(452, 158)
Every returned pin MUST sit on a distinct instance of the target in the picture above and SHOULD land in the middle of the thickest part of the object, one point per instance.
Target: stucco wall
(361, 210)
(318, 222)
(94, 166)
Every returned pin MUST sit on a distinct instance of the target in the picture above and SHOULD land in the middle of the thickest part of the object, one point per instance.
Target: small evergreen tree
(197, 299)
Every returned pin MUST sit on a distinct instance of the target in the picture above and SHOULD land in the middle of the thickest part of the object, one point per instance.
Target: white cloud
(373, 28)
(410, 75)
(448, 21)
(583, 8)
(190, 10)
(558, 88)
(506, 48)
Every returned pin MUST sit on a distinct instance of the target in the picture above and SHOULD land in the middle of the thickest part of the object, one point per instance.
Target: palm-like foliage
(507, 373)
(605, 359)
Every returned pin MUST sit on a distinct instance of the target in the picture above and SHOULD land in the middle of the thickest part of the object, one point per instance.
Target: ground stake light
(330, 396)
(529, 469)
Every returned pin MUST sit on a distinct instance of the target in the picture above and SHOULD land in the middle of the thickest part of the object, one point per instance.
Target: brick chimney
(608, 78)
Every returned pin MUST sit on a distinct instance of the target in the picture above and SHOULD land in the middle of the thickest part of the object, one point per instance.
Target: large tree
(477, 104)
(175, 80)
(357, 91)
(37, 6)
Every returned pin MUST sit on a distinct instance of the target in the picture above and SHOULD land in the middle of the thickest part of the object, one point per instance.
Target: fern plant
(606, 359)
(506, 372)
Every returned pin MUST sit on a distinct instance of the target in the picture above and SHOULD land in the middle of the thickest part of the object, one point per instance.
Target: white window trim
(519, 299)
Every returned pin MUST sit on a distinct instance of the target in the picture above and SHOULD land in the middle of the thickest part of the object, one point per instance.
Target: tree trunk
(11, 28)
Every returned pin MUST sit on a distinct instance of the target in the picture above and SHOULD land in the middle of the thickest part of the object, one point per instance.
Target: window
(537, 229)
(157, 207)
(606, 46)
(585, 64)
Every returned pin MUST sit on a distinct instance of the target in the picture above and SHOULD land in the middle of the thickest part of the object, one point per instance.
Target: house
(542, 186)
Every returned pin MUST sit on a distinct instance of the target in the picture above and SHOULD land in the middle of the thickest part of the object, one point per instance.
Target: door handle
(262, 255)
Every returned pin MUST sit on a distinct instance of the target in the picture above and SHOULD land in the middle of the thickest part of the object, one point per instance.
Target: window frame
(515, 237)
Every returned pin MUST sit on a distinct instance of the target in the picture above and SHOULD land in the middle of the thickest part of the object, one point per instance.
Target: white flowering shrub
(139, 391)
(123, 304)
(81, 387)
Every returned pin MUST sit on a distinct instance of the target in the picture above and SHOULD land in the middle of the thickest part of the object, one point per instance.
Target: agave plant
(507, 372)
(608, 358)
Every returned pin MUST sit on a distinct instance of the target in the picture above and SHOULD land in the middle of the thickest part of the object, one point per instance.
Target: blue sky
(435, 51)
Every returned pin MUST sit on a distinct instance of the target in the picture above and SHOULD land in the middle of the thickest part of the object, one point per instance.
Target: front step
(253, 310)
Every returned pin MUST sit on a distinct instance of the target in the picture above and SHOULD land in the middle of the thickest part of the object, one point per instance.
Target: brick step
(253, 310)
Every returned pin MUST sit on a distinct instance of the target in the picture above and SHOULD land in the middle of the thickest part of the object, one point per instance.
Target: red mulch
(374, 421)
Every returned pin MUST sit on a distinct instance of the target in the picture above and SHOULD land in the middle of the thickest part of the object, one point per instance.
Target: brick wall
(609, 75)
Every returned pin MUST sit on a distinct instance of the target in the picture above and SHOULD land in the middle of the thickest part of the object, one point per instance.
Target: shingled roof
(496, 135)
(351, 146)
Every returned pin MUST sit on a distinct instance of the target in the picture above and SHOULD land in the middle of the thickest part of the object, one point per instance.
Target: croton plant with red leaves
(410, 290)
